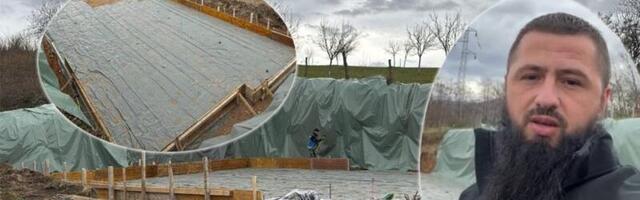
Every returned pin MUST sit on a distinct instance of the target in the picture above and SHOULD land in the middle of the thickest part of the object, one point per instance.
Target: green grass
(403, 75)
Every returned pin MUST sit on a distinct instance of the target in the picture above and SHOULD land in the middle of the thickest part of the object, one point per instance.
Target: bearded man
(551, 144)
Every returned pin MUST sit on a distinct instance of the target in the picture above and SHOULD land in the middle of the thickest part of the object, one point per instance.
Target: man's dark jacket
(594, 173)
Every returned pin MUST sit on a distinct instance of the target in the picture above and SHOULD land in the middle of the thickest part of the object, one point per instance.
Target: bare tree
(625, 22)
(327, 40)
(446, 29)
(347, 42)
(393, 47)
(291, 19)
(40, 17)
(407, 47)
(421, 40)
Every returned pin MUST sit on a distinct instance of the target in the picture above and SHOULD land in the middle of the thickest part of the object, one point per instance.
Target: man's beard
(532, 169)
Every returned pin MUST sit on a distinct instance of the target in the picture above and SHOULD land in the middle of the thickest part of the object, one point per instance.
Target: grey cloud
(377, 6)
(332, 2)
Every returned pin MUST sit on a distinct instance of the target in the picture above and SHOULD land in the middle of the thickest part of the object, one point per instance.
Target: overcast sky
(380, 21)
(498, 27)
(14, 15)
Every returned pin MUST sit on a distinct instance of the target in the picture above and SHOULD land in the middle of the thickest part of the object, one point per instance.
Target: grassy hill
(19, 81)
(403, 75)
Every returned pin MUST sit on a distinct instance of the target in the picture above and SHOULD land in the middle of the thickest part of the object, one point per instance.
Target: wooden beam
(246, 104)
(275, 81)
(89, 104)
(186, 137)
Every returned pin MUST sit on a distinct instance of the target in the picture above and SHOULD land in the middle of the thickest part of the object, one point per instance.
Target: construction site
(199, 100)
(458, 115)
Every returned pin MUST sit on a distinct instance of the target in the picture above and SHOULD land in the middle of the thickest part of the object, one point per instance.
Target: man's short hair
(566, 24)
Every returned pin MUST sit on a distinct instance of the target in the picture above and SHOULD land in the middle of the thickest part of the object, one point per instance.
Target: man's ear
(606, 96)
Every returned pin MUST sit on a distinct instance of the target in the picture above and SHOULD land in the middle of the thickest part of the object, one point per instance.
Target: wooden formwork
(243, 95)
(110, 183)
(253, 27)
(74, 87)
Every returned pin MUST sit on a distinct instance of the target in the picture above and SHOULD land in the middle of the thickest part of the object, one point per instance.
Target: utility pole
(462, 69)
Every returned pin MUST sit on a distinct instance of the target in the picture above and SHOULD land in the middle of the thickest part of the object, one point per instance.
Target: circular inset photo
(166, 75)
(537, 100)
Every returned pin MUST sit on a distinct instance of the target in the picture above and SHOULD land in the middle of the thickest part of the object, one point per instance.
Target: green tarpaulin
(52, 89)
(374, 125)
(455, 157)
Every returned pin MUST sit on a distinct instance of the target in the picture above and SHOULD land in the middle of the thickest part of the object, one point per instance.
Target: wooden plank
(111, 192)
(172, 194)
(156, 189)
(144, 175)
(185, 138)
(330, 163)
(205, 168)
(254, 187)
(244, 24)
(275, 81)
(124, 183)
(246, 104)
(89, 104)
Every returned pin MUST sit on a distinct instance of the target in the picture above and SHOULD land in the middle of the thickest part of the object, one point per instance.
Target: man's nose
(547, 95)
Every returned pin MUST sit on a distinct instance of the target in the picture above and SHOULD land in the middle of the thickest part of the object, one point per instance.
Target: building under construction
(160, 93)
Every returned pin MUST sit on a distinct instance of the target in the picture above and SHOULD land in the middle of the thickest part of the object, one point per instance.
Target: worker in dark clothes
(551, 144)
(314, 142)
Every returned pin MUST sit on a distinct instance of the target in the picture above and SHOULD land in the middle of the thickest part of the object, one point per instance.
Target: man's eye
(572, 82)
(530, 77)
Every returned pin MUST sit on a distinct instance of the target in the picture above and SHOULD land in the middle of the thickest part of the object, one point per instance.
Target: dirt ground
(28, 184)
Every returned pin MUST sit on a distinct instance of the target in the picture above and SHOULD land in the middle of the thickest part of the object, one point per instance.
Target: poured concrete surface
(440, 188)
(278, 182)
(152, 68)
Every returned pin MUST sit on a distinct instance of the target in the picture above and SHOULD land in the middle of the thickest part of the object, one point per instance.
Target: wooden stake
(254, 185)
(124, 183)
(45, 167)
(268, 23)
(64, 171)
(246, 104)
(144, 176)
(110, 176)
(372, 191)
(206, 176)
(35, 166)
(83, 178)
(171, 187)
(22, 165)
(251, 18)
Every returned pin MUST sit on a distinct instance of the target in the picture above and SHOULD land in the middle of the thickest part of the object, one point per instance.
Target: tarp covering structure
(376, 126)
(455, 159)
(455, 156)
(152, 68)
(52, 89)
(42, 133)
